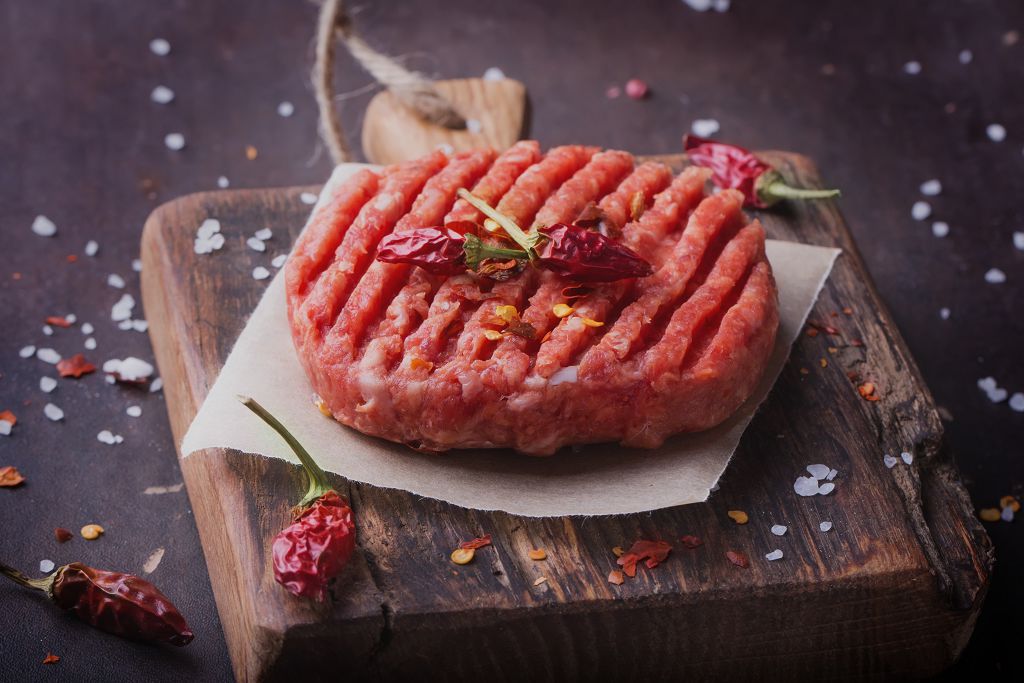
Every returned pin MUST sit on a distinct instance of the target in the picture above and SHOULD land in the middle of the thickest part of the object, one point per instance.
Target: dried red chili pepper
(736, 168)
(117, 603)
(309, 553)
(435, 249)
(587, 256)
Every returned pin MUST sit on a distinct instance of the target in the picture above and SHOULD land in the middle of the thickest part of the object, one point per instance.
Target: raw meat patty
(400, 353)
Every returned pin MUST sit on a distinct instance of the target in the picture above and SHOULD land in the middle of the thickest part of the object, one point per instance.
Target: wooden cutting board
(892, 590)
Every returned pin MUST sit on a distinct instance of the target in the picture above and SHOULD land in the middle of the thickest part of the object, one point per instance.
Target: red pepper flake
(10, 477)
(76, 366)
(856, 342)
(62, 535)
(476, 543)
(615, 577)
(655, 552)
(847, 310)
(50, 658)
(867, 391)
(72, 258)
(8, 416)
(738, 558)
(691, 542)
(812, 332)
(57, 321)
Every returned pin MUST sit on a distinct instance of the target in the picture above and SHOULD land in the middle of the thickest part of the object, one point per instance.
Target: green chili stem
(784, 191)
(513, 230)
(318, 484)
(16, 576)
(478, 251)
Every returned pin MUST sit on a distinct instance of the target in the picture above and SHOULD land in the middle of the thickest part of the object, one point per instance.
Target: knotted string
(412, 89)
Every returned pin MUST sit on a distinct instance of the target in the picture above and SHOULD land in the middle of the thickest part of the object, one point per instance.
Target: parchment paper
(596, 480)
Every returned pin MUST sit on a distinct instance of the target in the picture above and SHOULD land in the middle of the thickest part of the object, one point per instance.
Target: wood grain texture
(498, 106)
(892, 591)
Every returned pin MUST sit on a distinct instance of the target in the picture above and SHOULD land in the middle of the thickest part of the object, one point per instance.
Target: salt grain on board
(889, 461)
(825, 526)
(779, 530)
(940, 228)
(130, 369)
(931, 188)
(994, 276)
(279, 260)
(53, 412)
(831, 475)
(115, 280)
(1017, 402)
(27, 351)
(920, 210)
(995, 132)
(260, 273)
(944, 313)
(1018, 241)
(162, 95)
(47, 384)
(826, 489)
(704, 128)
(263, 234)
(774, 555)
(965, 56)
(157, 385)
(91, 247)
(107, 437)
(44, 227)
(137, 265)
(133, 411)
(806, 486)
(47, 330)
(140, 325)
(153, 561)
(160, 47)
(46, 566)
(5, 427)
(90, 344)
(256, 244)
(48, 356)
(285, 109)
(494, 74)
(913, 68)
(223, 182)
(174, 141)
(122, 309)
(818, 471)
(307, 198)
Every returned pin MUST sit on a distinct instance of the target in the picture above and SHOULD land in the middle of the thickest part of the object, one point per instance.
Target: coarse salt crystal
(825, 526)
(995, 132)
(912, 67)
(944, 313)
(494, 74)
(124, 325)
(826, 489)
(704, 128)
(137, 265)
(907, 457)
(122, 310)
(1017, 402)
(263, 234)
(931, 188)
(698, 5)
(774, 555)
(46, 566)
(131, 369)
(307, 198)
(806, 486)
(965, 56)
(889, 461)
(1018, 240)
(47, 330)
(160, 47)
(5, 427)
(162, 95)
(48, 356)
(940, 228)
(279, 260)
(90, 344)
(91, 247)
(998, 395)
(474, 125)
(174, 141)
(285, 109)
(780, 530)
(115, 280)
(987, 384)
(256, 244)
(818, 471)
(832, 475)
(995, 276)
(1007, 514)
(53, 412)
(44, 227)
(133, 411)
(260, 273)
(27, 351)
(223, 182)
(157, 385)
(921, 210)
(106, 436)
(140, 325)
(71, 318)
(47, 384)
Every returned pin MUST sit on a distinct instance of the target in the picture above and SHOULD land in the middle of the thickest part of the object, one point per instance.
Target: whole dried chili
(117, 603)
(736, 168)
(573, 251)
(309, 553)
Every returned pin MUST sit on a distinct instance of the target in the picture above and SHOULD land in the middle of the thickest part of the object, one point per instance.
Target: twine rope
(412, 89)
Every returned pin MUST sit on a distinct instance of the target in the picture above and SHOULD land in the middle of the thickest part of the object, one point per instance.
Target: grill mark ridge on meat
(680, 349)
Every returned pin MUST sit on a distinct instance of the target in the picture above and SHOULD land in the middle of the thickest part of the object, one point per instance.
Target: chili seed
(540, 581)
(990, 514)
(617, 551)
(615, 577)
(591, 323)
(321, 405)
(492, 335)
(739, 516)
(1010, 502)
(463, 555)
(506, 313)
(537, 554)
(562, 310)
(91, 532)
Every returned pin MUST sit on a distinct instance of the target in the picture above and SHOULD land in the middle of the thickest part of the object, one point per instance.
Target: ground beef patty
(400, 353)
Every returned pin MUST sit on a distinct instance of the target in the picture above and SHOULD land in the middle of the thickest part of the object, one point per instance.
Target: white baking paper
(596, 480)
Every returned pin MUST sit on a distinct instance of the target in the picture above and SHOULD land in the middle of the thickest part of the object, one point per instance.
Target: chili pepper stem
(783, 191)
(477, 251)
(13, 574)
(527, 242)
(318, 484)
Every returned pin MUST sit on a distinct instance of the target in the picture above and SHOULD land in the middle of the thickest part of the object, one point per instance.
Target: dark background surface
(83, 144)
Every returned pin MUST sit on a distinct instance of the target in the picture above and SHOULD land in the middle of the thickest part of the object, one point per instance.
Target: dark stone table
(83, 144)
